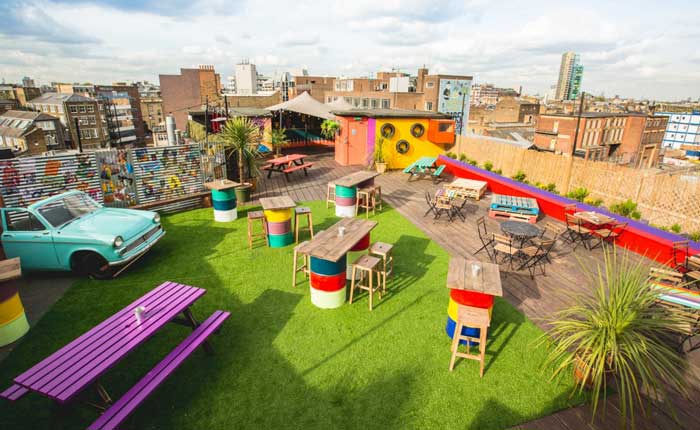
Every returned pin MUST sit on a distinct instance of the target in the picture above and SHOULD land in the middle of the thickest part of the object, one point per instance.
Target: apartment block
(633, 139)
(19, 93)
(188, 90)
(570, 77)
(152, 111)
(683, 132)
(316, 86)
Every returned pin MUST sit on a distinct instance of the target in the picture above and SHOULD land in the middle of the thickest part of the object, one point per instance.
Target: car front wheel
(92, 264)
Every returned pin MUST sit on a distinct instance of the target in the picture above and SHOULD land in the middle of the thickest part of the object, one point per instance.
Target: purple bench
(78, 365)
(128, 403)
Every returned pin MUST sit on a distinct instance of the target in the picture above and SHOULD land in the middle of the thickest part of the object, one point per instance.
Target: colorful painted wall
(355, 144)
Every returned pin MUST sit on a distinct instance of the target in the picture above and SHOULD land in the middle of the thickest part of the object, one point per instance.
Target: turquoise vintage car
(71, 231)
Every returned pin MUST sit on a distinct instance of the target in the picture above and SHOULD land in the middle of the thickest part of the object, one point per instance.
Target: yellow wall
(418, 147)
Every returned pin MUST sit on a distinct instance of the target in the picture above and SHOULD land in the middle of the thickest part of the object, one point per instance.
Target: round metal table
(520, 230)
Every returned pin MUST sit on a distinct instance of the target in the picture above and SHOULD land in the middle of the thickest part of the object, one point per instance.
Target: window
(91, 119)
(74, 109)
(386, 104)
(374, 103)
(555, 127)
(430, 84)
(365, 103)
(81, 108)
(429, 106)
(22, 220)
(91, 108)
(552, 144)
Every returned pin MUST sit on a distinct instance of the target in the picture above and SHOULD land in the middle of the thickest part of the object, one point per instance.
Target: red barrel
(472, 298)
(362, 245)
(327, 283)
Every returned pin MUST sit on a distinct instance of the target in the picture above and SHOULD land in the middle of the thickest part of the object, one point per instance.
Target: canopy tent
(306, 105)
(339, 104)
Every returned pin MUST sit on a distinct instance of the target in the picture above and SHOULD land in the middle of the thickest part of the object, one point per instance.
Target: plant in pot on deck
(329, 129)
(379, 156)
(614, 339)
(278, 139)
(242, 136)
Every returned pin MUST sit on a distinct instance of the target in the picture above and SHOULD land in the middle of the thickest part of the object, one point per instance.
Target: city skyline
(627, 51)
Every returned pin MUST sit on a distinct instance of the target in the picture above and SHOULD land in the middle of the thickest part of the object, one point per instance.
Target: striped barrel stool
(345, 201)
(279, 227)
(327, 279)
(224, 202)
(466, 298)
(13, 320)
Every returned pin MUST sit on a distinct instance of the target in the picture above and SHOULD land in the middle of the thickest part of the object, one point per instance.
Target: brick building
(152, 111)
(20, 134)
(189, 90)
(316, 86)
(21, 94)
(624, 138)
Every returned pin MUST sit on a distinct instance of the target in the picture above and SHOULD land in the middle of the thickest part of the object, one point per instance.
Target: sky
(641, 49)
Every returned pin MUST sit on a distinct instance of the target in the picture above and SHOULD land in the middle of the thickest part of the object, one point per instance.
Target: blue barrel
(326, 267)
(224, 202)
(466, 331)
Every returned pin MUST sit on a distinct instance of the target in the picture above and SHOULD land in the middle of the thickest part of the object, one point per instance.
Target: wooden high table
(329, 262)
(278, 215)
(346, 191)
(469, 290)
(223, 198)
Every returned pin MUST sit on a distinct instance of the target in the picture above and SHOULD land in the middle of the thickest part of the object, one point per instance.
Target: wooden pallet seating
(512, 216)
(522, 205)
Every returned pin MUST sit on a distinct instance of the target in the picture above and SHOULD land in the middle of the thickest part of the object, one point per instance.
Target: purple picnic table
(79, 365)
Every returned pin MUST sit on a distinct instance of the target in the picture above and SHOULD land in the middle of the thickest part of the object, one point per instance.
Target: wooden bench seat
(127, 404)
(14, 392)
(165, 202)
(299, 167)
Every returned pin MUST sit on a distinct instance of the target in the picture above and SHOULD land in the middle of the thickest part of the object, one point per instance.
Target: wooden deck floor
(536, 298)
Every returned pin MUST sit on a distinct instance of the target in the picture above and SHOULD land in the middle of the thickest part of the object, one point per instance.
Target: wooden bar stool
(299, 212)
(470, 316)
(365, 200)
(252, 217)
(377, 193)
(383, 251)
(330, 194)
(367, 266)
(304, 266)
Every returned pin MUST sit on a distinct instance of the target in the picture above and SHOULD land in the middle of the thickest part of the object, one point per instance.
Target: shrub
(593, 202)
(451, 155)
(552, 188)
(520, 176)
(676, 228)
(627, 208)
(694, 236)
(579, 194)
(472, 162)
(488, 165)
(661, 227)
(498, 171)
(462, 157)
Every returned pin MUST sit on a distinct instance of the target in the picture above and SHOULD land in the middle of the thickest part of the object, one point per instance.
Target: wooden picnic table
(355, 179)
(463, 187)
(328, 245)
(277, 203)
(287, 164)
(594, 218)
(460, 277)
(79, 365)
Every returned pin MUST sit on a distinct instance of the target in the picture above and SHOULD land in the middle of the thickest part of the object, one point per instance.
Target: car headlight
(118, 242)
(156, 218)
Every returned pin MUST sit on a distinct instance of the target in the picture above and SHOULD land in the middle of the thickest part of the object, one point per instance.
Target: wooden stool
(367, 266)
(252, 216)
(365, 200)
(330, 194)
(377, 192)
(303, 211)
(304, 267)
(383, 250)
(470, 316)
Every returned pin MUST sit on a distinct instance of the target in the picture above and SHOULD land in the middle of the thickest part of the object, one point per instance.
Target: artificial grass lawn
(280, 362)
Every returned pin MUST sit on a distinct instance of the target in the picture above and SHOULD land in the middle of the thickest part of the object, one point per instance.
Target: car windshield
(62, 211)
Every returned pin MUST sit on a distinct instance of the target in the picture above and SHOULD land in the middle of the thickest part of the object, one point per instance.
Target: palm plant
(615, 335)
(329, 129)
(242, 136)
(278, 139)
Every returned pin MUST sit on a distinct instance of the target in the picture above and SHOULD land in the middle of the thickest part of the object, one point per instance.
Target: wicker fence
(663, 199)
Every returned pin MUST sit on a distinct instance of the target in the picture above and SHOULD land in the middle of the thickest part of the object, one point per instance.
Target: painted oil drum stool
(13, 319)
(466, 298)
(359, 249)
(345, 201)
(327, 281)
(223, 198)
(279, 227)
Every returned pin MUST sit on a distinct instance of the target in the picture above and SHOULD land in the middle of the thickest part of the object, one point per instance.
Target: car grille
(137, 242)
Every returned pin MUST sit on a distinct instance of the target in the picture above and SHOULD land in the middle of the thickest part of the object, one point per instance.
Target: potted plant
(329, 129)
(242, 136)
(379, 156)
(613, 338)
(278, 139)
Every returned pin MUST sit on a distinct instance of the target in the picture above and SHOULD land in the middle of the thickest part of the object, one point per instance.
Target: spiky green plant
(242, 136)
(329, 128)
(616, 334)
(278, 139)
(627, 208)
(488, 165)
(579, 194)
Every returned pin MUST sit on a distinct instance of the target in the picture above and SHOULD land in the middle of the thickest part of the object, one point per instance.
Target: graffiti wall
(119, 178)
(453, 99)
(28, 180)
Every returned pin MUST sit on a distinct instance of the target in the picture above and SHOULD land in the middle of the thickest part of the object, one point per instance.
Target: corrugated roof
(56, 98)
(17, 132)
(392, 113)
